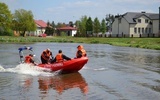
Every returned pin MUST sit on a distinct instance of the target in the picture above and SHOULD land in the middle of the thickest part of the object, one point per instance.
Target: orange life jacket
(47, 56)
(28, 59)
(59, 57)
(80, 47)
(83, 53)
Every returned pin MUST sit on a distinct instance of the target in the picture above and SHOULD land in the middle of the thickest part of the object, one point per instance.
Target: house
(70, 31)
(41, 26)
(134, 24)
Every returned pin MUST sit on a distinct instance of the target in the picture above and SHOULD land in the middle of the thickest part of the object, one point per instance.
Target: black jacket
(63, 56)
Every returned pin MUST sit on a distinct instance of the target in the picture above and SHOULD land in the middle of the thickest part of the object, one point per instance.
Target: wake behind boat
(68, 66)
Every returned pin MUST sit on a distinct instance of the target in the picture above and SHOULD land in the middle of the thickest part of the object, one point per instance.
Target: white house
(41, 26)
(70, 31)
(134, 24)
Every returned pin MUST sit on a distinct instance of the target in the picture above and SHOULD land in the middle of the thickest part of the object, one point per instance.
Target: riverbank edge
(146, 43)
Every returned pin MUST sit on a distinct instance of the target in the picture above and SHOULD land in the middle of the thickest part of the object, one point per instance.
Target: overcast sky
(72, 10)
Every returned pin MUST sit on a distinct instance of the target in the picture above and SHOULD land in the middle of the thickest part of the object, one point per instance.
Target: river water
(112, 73)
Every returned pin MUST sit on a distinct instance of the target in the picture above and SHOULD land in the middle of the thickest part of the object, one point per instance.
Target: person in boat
(60, 57)
(46, 56)
(81, 52)
(29, 59)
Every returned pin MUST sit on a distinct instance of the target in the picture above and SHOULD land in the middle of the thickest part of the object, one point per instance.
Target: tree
(59, 25)
(53, 26)
(24, 21)
(82, 25)
(103, 26)
(49, 29)
(77, 23)
(71, 23)
(89, 26)
(5, 20)
(96, 25)
(109, 19)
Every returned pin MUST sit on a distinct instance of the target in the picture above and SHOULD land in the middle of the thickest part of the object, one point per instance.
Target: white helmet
(48, 49)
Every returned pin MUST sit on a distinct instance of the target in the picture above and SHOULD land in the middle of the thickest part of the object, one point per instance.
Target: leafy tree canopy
(82, 25)
(5, 19)
(109, 19)
(23, 21)
(96, 25)
(103, 26)
(89, 24)
(49, 29)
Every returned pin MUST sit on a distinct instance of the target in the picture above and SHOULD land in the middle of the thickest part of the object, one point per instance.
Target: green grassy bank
(148, 43)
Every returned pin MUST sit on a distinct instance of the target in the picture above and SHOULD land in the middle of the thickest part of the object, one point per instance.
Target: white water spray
(2, 69)
(28, 70)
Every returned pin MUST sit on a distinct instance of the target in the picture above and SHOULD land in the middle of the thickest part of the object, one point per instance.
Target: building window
(142, 30)
(139, 20)
(139, 30)
(146, 21)
(146, 30)
(135, 30)
(149, 30)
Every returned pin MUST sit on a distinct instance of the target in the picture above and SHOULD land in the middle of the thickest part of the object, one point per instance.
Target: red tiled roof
(67, 28)
(41, 23)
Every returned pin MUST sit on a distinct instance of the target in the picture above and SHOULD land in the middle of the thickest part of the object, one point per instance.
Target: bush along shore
(147, 43)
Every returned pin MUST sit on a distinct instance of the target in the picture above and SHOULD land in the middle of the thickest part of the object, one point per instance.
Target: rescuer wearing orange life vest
(46, 56)
(81, 52)
(29, 59)
(60, 57)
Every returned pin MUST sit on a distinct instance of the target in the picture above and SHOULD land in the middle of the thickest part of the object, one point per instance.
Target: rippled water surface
(112, 73)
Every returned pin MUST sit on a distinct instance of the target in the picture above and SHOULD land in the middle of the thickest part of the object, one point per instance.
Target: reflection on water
(61, 83)
(48, 84)
(144, 61)
(26, 83)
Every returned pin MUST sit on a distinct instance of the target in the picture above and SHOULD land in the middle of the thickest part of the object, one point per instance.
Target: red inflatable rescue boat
(73, 65)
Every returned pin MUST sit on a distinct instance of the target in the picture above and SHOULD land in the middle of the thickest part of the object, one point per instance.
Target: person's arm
(52, 56)
(65, 57)
(32, 61)
(54, 60)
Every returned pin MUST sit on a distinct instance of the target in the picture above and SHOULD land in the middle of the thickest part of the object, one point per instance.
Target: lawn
(148, 43)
